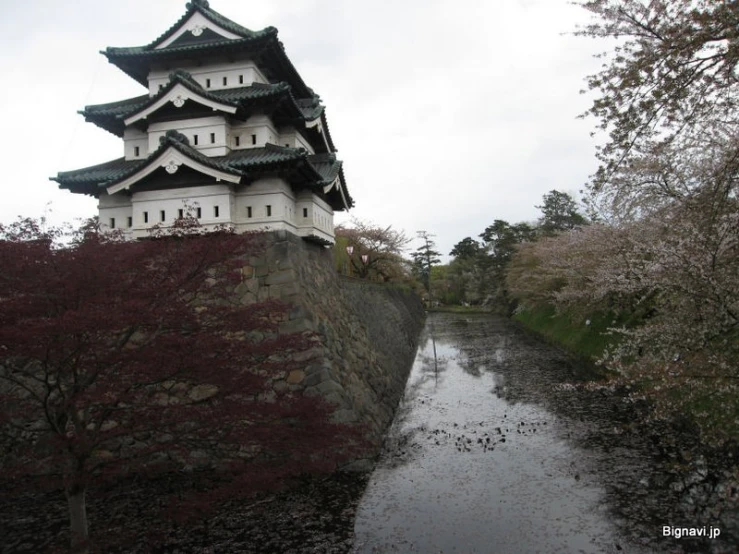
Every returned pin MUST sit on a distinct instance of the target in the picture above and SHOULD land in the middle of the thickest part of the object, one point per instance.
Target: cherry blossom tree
(383, 247)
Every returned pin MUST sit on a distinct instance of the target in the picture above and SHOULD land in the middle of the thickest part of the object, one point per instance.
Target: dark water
(493, 452)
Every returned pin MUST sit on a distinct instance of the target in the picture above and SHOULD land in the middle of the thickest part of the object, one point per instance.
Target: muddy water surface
(492, 452)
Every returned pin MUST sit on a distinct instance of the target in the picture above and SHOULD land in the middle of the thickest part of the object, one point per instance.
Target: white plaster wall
(320, 216)
(273, 192)
(286, 209)
(244, 70)
(259, 125)
(132, 138)
(289, 136)
(202, 127)
(116, 207)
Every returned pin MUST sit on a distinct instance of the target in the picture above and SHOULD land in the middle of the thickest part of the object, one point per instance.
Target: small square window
(195, 140)
(180, 213)
(287, 145)
(212, 138)
(199, 212)
(207, 83)
(216, 211)
(146, 217)
(225, 81)
(254, 139)
(237, 141)
(130, 222)
(305, 212)
(248, 211)
(112, 223)
(162, 215)
(269, 211)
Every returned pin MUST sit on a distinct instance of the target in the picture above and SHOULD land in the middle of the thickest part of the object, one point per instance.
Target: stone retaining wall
(366, 332)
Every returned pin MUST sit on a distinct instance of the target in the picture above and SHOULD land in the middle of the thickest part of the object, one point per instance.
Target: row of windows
(196, 142)
(199, 215)
(163, 216)
(209, 82)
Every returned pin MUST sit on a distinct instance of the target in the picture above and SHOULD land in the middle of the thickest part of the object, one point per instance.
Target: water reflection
(489, 454)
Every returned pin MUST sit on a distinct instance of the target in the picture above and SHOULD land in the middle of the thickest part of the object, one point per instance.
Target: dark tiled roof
(136, 60)
(89, 179)
(327, 166)
(121, 108)
(315, 170)
(214, 17)
(111, 116)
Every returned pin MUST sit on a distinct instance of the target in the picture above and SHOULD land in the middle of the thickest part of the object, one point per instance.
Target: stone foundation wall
(366, 332)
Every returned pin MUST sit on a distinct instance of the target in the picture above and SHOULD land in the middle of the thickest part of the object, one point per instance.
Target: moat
(494, 450)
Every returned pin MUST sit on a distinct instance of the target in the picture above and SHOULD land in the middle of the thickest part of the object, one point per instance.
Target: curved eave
(178, 93)
(338, 190)
(327, 132)
(87, 180)
(170, 156)
(136, 61)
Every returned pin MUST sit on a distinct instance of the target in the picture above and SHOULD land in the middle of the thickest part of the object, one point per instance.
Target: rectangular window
(269, 211)
(195, 140)
(225, 81)
(162, 215)
(241, 79)
(207, 83)
(146, 217)
(199, 212)
(237, 141)
(248, 211)
(305, 212)
(212, 138)
(180, 213)
(136, 151)
(130, 222)
(112, 223)
(254, 139)
(216, 211)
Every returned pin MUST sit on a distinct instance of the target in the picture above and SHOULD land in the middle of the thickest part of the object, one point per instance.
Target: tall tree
(118, 357)
(425, 257)
(500, 241)
(559, 213)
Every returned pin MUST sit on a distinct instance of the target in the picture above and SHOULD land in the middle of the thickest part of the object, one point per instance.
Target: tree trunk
(78, 519)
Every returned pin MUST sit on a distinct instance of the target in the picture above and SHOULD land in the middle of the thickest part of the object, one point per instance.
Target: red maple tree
(134, 356)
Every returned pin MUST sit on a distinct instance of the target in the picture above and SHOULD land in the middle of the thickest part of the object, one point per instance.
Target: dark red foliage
(134, 356)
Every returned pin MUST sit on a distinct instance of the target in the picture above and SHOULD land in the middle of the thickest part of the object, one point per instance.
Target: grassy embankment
(587, 341)
(712, 408)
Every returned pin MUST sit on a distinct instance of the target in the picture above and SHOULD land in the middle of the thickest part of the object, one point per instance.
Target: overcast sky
(448, 114)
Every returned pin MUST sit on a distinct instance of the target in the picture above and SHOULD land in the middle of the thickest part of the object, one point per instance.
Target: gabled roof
(136, 61)
(203, 7)
(115, 116)
(318, 172)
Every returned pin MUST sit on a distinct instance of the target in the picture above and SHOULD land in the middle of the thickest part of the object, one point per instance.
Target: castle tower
(228, 132)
